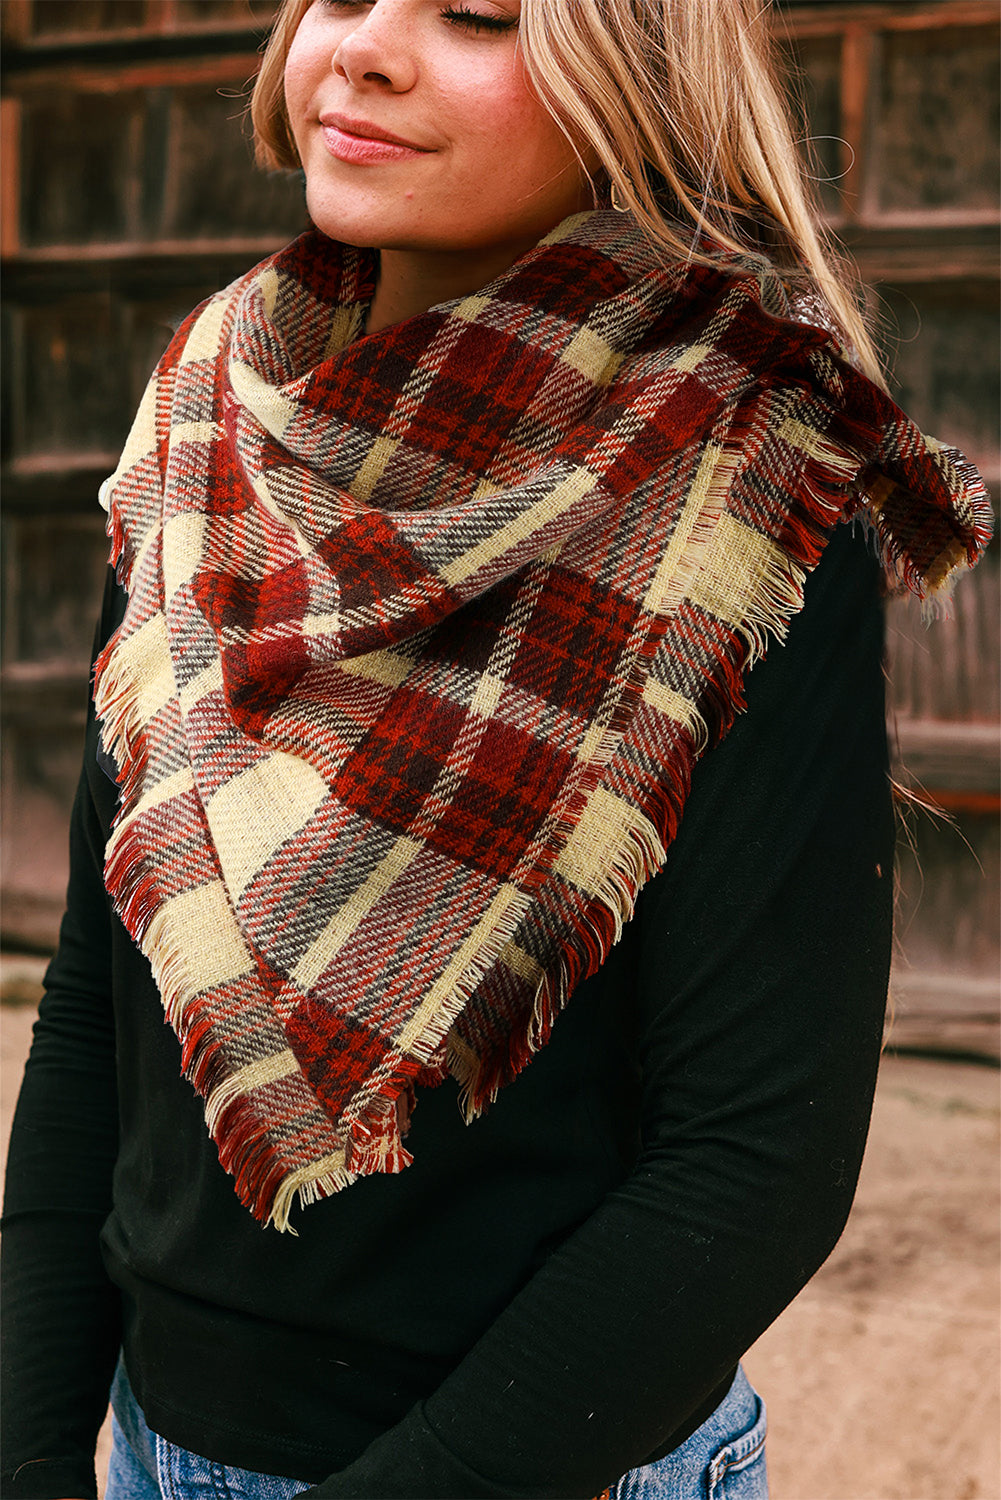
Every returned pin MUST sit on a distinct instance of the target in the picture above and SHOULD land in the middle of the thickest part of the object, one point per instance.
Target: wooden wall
(128, 194)
(902, 103)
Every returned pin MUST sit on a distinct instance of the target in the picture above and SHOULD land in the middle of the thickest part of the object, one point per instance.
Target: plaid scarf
(425, 633)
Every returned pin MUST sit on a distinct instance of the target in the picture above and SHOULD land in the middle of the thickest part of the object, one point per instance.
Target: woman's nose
(380, 50)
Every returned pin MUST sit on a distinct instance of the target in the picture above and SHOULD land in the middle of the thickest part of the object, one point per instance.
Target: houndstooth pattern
(425, 632)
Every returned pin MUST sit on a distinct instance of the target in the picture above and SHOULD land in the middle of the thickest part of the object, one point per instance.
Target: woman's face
(417, 129)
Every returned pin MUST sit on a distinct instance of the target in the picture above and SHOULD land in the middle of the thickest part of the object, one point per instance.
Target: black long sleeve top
(548, 1297)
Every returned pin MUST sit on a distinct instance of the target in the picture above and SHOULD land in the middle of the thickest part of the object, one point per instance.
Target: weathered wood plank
(10, 177)
(897, 15)
(948, 756)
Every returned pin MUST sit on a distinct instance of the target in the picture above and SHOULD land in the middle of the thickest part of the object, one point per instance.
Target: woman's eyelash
(459, 15)
(476, 21)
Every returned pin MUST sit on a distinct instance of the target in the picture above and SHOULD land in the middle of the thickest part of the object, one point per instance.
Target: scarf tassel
(116, 703)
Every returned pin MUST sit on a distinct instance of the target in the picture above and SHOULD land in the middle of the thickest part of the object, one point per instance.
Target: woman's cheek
(296, 95)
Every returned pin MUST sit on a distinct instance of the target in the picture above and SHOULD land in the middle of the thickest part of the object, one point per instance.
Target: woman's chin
(370, 218)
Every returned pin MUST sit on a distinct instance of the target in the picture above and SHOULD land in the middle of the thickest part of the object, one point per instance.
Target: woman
(447, 537)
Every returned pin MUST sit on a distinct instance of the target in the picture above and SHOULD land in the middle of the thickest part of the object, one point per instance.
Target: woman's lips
(363, 149)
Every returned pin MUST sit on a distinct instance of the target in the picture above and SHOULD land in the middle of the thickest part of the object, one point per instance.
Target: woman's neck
(411, 281)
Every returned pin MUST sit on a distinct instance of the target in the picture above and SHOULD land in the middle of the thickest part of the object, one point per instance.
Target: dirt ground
(882, 1378)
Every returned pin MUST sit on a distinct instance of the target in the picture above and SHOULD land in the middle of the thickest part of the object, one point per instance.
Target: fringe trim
(116, 697)
(309, 1190)
(965, 533)
(375, 1140)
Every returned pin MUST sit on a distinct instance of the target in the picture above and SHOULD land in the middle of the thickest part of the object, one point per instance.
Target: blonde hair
(680, 102)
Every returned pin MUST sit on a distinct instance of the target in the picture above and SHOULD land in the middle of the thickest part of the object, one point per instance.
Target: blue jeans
(724, 1459)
